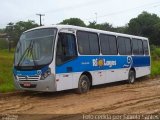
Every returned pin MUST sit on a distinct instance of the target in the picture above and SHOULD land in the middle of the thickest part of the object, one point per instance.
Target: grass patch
(3, 44)
(6, 76)
(155, 69)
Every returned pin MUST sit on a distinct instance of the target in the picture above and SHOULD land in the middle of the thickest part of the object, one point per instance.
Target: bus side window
(88, 43)
(108, 44)
(137, 47)
(124, 46)
(145, 47)
(66, 48)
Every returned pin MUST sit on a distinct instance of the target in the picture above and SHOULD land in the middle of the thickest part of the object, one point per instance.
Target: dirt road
(116, 98)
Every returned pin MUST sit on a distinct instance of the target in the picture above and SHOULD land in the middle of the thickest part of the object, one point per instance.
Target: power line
(126, 10)
(89, 3)
(96, 16)
(40, 16)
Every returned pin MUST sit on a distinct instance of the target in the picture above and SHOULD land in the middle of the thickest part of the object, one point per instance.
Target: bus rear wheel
(83, 85)
(131, 77)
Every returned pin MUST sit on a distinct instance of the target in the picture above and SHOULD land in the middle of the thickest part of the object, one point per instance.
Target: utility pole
(96, 17)
(40, 15)
(9, 43)
(9, 36)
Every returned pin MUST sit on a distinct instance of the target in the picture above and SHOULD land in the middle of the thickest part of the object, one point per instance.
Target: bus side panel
(75, 81)
(66, 81)
(117, 75)
(98, 77)
(142, 71)
(104, 69)
(141, 65)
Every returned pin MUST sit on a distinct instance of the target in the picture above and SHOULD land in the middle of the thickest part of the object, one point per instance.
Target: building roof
(3, 35)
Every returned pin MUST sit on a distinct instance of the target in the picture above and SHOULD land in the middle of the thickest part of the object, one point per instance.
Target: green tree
(1, 30)
(10, 34)
(103, 26)
(122, 29)
(147, 25)
(73, 21)
(15, 30)
(22, 26)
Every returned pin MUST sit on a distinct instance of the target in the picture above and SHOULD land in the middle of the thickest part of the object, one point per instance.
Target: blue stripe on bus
(30, 72)
(85, 63)
(139, 61)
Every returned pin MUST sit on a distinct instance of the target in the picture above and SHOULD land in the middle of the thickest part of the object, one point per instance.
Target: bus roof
(89, 30)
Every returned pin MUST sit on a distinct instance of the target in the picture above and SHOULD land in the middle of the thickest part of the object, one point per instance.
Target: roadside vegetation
(3, 44)
(6, 77)
(155, 52)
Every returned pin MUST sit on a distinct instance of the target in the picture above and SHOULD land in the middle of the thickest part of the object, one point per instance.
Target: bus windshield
(35, 48)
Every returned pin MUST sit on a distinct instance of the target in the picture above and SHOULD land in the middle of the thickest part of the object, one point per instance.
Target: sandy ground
(143, 97)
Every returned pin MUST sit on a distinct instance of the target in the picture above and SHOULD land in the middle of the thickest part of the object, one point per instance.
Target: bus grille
(28, 78)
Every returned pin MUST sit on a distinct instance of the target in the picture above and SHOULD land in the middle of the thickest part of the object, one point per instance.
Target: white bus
(63, 57)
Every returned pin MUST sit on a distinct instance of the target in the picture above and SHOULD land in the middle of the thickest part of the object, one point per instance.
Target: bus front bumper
(47, 85)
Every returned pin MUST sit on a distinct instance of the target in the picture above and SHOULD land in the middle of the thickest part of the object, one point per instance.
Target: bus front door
(65, 56)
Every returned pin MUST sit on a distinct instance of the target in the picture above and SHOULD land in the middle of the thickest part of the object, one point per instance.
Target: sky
(115, 12)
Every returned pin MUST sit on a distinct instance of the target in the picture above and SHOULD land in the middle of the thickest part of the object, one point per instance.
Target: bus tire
(83, 85)
(131, 77)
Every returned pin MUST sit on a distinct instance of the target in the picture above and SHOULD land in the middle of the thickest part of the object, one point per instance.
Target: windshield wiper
(31, 51)
(29, 47)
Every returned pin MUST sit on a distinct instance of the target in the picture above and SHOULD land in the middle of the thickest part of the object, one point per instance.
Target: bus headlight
(46, 74)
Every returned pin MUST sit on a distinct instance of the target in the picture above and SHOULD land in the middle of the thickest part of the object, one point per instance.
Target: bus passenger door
(66, 52)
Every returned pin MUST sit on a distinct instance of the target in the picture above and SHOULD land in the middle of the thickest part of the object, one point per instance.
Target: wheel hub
(84, 85)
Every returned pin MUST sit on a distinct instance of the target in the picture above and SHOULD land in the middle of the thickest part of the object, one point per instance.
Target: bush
(155, 70)
(155, 64)
(155, 52)
(3, 44)
(6, 68)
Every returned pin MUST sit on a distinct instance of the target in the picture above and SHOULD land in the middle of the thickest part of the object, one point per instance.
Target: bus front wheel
(131, 77)
(83, 85)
